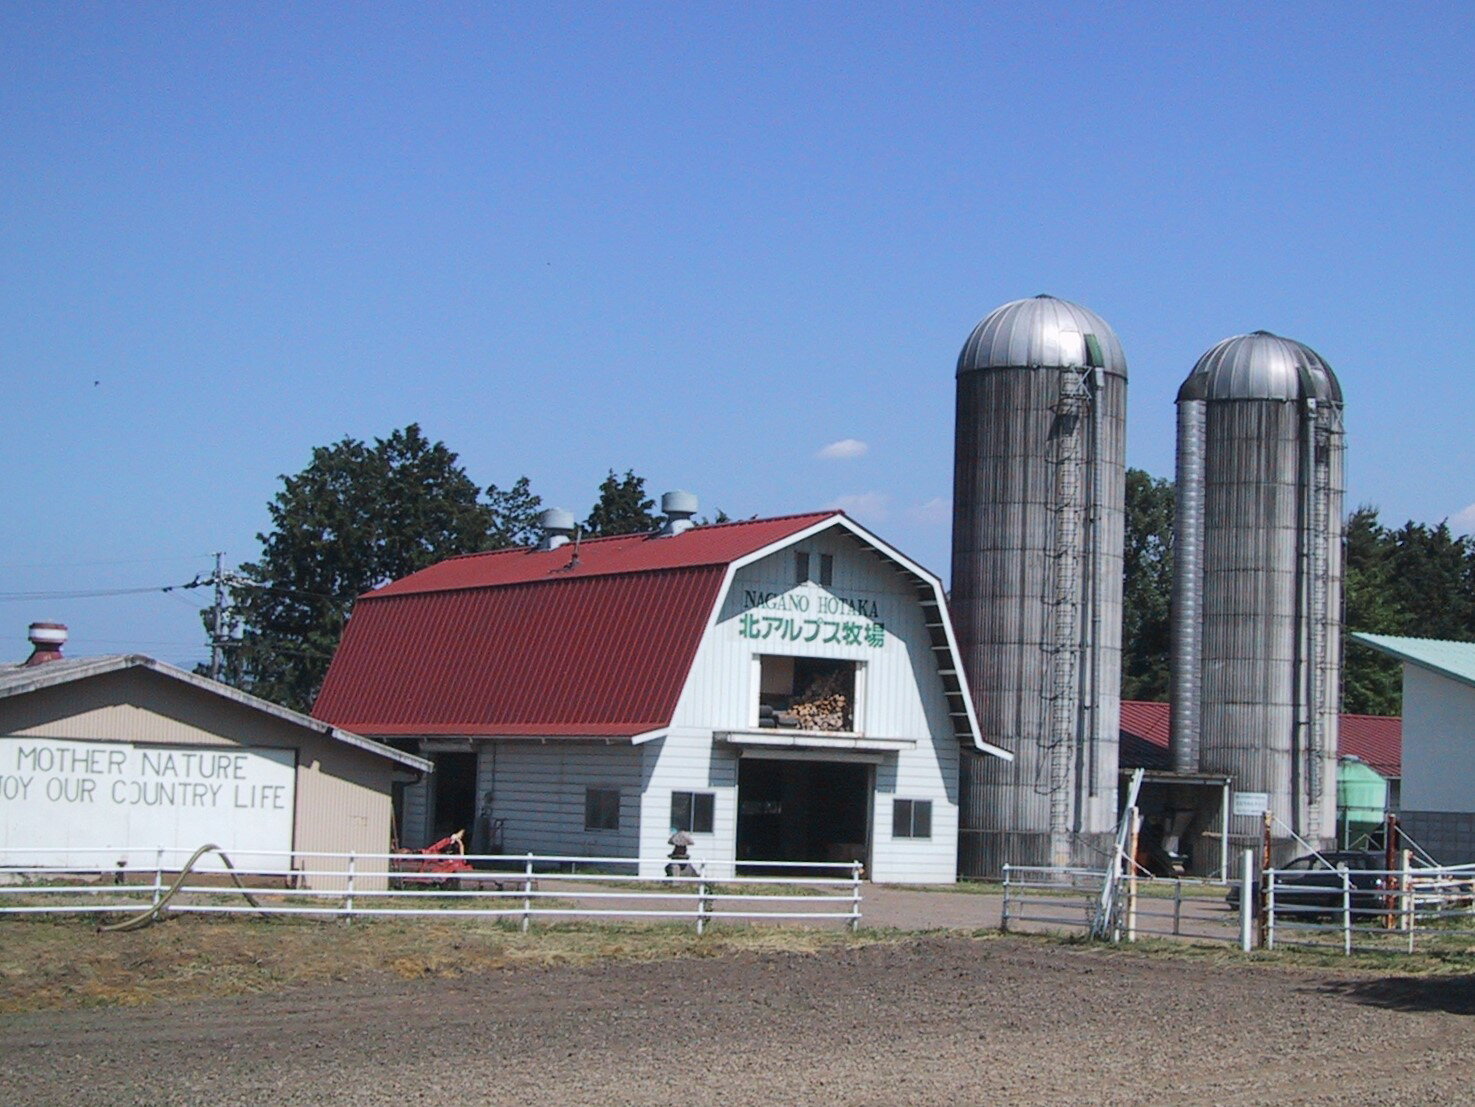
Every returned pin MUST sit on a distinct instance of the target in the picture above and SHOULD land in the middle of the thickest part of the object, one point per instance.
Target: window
(806, 693)
(911, 818)
(692, 811)
(804, 563)
(601, 809)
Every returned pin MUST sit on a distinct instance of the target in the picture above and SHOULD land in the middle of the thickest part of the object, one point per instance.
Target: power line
(90, 564)
(86, 594)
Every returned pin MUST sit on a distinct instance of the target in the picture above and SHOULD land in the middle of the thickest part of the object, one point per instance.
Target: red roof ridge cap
(824, 513)
(553, 576)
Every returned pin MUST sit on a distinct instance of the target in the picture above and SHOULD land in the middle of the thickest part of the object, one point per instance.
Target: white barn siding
(538, 788)
(1438, 742)
(899, 691)
(687, 761)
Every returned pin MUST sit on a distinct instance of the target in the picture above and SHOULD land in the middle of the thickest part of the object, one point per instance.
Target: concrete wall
(1447, 836)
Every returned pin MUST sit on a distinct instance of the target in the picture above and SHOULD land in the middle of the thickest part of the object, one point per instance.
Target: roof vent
(678, 507)
(558, 528)
(47, 640)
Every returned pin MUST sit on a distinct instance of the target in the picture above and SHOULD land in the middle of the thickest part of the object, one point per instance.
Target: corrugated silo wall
(1331, 697)
(1254, 716)
(1003, 540)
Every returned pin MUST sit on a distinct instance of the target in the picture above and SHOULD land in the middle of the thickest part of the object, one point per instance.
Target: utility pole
(215, 632)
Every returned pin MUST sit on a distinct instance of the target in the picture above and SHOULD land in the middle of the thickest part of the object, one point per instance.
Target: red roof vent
(47, 640)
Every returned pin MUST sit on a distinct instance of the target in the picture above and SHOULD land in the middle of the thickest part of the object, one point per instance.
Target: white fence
(1042, 898)
(520, 887)
(1384, 909)
(1389, 910)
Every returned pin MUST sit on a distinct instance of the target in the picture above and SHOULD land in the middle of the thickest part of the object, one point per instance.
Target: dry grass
(66, 962)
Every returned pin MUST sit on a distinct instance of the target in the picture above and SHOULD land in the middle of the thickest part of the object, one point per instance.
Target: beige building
(108, 759)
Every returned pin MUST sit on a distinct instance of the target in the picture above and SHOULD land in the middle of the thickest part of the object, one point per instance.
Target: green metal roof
(1452, 659)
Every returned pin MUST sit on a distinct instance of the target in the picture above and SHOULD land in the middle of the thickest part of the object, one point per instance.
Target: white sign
(70, 800)
(1251, 803)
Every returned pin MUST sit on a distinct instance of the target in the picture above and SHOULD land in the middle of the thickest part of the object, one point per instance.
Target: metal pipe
(1095, 574)
(1188, 587)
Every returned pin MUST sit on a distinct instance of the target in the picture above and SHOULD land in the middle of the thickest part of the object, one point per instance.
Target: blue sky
(700, 241)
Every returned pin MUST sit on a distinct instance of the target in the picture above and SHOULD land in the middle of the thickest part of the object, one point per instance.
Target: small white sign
(1253, 804)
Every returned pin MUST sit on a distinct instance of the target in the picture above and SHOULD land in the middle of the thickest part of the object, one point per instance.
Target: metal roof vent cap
(47, 640)
(678, 508)
(558, 528)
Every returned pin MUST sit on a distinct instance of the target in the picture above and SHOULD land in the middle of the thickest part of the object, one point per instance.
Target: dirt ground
(933, 1020)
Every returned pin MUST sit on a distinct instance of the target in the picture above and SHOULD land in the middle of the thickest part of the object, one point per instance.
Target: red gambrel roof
(588, 641)
(1375, 739)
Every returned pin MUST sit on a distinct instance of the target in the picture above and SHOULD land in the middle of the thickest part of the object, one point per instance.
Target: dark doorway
(454, 786)
(803, 811)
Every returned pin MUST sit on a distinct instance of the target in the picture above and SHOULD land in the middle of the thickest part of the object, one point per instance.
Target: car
(1311, 884)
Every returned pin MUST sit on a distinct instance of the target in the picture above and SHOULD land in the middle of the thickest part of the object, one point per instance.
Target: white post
(1004, 918)
(527, 894)
(1269, 908)
(348, 899)
(158, 875)
(701, 905)
(1130, 860)
(1224, 805)
(855, 873)
(1246, 899)
(1406, 886)
(1346, 909)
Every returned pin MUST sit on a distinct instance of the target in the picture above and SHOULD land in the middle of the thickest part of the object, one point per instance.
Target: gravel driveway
(937, 1020)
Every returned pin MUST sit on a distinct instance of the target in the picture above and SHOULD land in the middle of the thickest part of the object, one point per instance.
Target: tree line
(363, 514)
(1416, 580)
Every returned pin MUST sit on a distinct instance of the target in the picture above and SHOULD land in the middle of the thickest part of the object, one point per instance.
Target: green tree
(514, 516)
(1147, 586)
(1371, 681)
(357, 517)
(1429, 578)
(622, 507)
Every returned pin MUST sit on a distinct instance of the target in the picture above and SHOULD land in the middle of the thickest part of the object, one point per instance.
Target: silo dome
(1261, 366)
(1042, 332)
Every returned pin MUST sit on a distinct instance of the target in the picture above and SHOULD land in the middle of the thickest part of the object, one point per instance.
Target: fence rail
(521, 887)
(1384, 909)
(1390, 910)
(1048, 898)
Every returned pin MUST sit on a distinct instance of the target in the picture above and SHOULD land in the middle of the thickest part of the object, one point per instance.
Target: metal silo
(1258, 578)
(1039, 481)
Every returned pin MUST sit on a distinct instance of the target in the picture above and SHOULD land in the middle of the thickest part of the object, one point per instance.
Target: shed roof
(1146, 727)
(1455, 660)
(20, 680)
(587, 641)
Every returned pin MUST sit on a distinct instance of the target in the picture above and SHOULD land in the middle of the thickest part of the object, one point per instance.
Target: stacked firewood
(823, 705)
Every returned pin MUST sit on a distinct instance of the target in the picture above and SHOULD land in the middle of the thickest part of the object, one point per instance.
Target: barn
(127, 754)
(1437, 794)
(783, 689)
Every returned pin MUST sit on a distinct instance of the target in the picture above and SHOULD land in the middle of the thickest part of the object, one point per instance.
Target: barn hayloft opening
(801, 810)
(806, 693)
